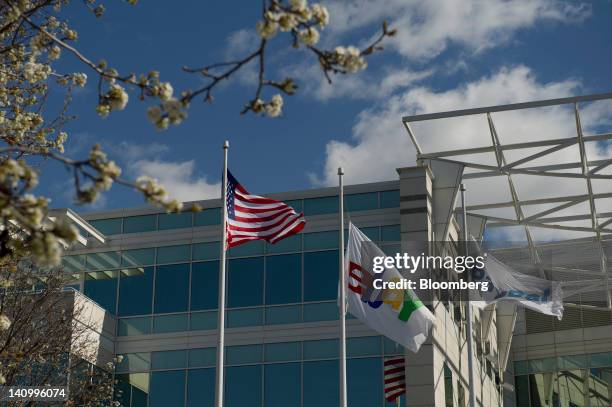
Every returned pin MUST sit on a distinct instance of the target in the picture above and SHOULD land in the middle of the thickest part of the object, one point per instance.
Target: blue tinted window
(283, 351)
(173, 254)
(364, 346)
(210, 216)
(169, 359)
(138, 257)
(247, 249)
(391, 249)
(283, 279)
(392, 348)
(283, 385)
(204, 285)
(372, 233)
(201, 388)
(390, 233)
(321, 275)
(175, 220)
(103, 260)
(133, 389)
(172, 288)
(361, 202)
(101, 286)
(237, 318)
(243, 386)
(107, 226)
(204, 357)
(206, 251)
(245, 282)
(321, 384)
(201, 321)
(321, 240)
(134, 326)
(296, 204)
(240, 355)
(134, 362)
(289, 244)
(288, 314)
(364, 381)
(320, 206)
(170, 323)
(521, 385)
(143, 223)
(73, 263)
(167, 388)
(390, 199)
(600, 359)
(323, 311)
(322, 349)
(135, 291)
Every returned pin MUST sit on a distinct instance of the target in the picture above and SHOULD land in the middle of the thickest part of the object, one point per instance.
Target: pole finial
(340, 171)
(226, 144)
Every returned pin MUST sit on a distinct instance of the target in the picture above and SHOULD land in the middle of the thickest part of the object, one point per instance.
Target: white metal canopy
(563, 213)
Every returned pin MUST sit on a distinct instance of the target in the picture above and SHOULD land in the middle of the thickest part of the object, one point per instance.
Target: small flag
(395, 378)
(506, 284)
(252, 217)
(398, 314)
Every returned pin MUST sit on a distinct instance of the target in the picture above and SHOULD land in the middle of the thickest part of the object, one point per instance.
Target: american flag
(395, 378)
(252, 217)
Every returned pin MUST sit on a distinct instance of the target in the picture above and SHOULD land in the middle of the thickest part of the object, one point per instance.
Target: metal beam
(507, 107)
(538, 201)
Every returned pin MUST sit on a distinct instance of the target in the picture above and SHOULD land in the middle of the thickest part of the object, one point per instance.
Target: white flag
(398, 314)
(506, 284)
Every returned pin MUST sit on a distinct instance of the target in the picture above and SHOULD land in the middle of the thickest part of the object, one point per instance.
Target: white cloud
(426, 28)
(240, 42)
(380, 144)
(180, 178)
(356, 86)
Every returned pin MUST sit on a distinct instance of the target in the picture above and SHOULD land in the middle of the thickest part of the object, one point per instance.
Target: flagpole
(221, 306)
(468, 313)
(343, 400)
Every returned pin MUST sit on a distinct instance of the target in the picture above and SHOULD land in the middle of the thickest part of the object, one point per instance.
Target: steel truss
(600, 222)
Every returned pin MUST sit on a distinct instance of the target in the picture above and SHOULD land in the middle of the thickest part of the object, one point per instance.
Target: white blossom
(309, 36)
(165, 91)
(350, 58)
(54, 52)
(298, 5)
(5, 322)
(320, 14)
(287, 21)
(79, 79)
(154, 114)
(116, 97)
(35, 72)
(267, 28)
(275, 107)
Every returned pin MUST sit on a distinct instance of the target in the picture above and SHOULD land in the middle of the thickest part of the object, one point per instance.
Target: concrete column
(416, 231)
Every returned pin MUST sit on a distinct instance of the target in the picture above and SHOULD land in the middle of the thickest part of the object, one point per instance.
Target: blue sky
(447, 55)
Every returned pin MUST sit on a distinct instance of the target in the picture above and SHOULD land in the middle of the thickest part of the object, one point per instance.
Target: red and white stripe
(252, 217)
(395, 377)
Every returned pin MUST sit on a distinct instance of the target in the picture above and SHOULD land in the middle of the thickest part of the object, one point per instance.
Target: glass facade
(212, 216)
(276, 374)
(565, 381)
(175, 288)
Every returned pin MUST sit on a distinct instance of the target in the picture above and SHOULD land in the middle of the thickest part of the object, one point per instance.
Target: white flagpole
(221, 306)
(343, 400)
(468, 313)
